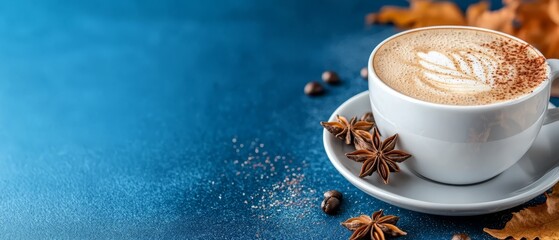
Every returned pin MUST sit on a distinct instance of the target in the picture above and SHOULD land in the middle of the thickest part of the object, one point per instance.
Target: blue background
(183, 119)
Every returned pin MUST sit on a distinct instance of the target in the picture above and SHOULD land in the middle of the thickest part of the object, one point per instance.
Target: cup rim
(374, 77)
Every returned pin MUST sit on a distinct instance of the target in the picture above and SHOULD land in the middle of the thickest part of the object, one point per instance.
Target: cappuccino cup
(466, 102)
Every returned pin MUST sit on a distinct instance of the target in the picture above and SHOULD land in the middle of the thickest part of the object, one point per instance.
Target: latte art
(459, 67)
(458, 71)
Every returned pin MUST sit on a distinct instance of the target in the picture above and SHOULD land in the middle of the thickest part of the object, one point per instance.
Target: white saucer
(536, 172)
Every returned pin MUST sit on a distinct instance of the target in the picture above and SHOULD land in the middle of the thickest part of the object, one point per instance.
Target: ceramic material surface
(533, 174)
(460, 144)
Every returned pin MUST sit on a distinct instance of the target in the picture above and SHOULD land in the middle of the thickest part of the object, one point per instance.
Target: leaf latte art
(459, 71)
(459, 66)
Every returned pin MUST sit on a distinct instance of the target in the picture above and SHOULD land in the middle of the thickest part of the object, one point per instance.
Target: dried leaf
(553, 10)
(401, 17)
(540, 221)
(550, 46)
(535, 24)
(433, 13)
(500, 20)
(532, 33)
(421, 13)
(474, 11)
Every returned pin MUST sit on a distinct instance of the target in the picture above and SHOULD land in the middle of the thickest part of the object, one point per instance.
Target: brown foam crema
(459, 66)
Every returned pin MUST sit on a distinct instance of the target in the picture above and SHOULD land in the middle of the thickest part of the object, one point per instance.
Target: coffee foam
(459, 66)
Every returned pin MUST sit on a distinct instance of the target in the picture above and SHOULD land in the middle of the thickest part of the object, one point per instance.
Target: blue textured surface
(182, 119)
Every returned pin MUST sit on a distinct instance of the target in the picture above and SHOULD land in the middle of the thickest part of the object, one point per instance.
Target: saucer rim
(462, 209)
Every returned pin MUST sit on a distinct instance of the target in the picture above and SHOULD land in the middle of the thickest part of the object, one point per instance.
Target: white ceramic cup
(442, 138)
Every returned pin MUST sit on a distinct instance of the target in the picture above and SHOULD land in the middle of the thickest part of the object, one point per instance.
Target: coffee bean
(314, 89)
(461, 236)
(333, 193)
(365, 73)
(330, 77)
(330, 205)
(332, 201)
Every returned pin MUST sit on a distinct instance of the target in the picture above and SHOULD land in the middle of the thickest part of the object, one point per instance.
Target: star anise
(377, 156)
(375, 228)
(346, 130)
(368, 117)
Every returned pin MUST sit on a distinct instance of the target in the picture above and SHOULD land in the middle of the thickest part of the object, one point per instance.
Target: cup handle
(552, 115)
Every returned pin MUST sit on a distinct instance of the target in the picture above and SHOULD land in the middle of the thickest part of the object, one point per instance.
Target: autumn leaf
(540, 221)
(553, 10)
(421, 13)
(474, 11)
(501, 20)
